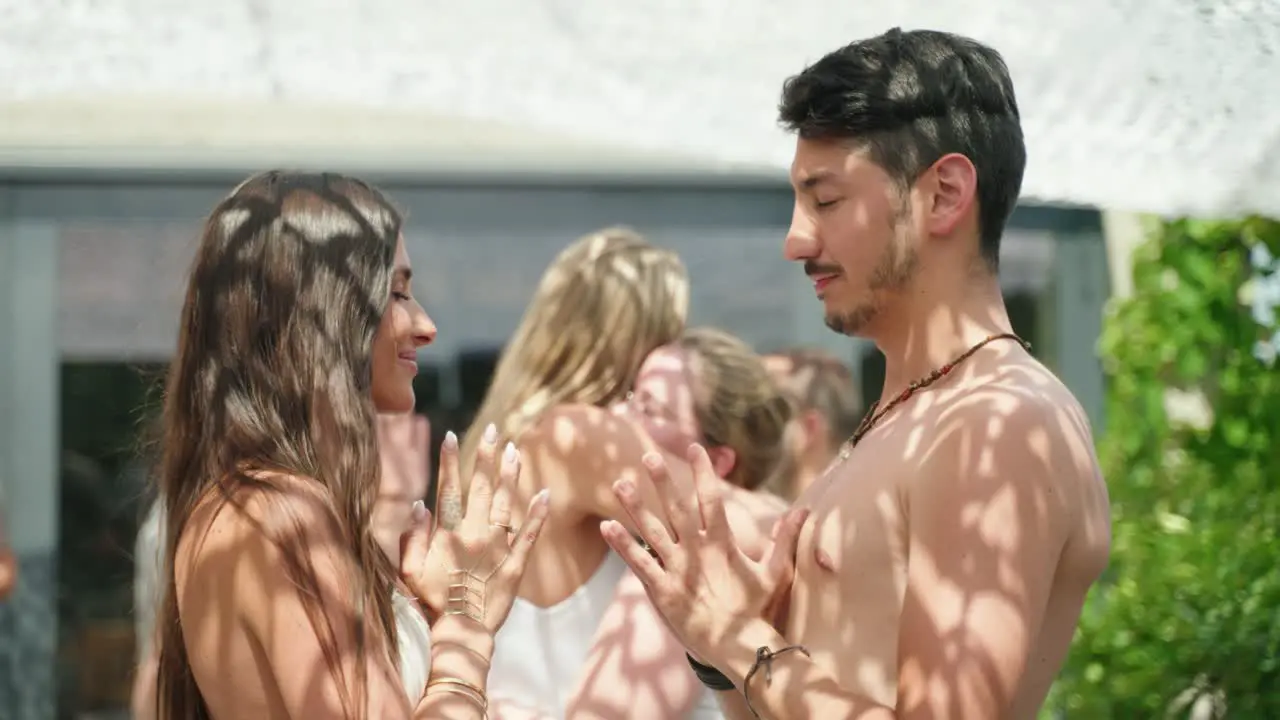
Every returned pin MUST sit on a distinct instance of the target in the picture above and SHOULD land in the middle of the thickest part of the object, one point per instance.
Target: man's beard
(892, 273)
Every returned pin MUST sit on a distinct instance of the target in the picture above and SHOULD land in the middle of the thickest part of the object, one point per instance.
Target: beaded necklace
(875, 413)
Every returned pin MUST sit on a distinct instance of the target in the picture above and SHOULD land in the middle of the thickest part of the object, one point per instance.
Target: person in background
(8, 563)
(828, 408)
(603, 305)
(148, 550)
(708, 387)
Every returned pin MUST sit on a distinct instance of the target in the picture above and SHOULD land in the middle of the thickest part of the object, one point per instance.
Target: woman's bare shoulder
(247, 525)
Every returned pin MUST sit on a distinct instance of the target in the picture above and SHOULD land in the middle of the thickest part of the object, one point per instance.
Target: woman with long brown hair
(299, 324)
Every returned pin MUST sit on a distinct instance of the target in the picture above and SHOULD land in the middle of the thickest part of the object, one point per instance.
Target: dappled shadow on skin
(403, 480)
(942, 521)
(632, 647)
(270, 556)
(637, 668)
(578, 452)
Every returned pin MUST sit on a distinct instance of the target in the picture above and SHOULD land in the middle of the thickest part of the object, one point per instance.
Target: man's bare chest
(854, 542)
(850, 580)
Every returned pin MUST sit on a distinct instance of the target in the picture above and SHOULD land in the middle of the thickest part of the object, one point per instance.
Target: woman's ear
(723, 459)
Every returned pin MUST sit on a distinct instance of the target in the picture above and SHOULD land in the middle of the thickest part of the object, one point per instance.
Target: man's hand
(778, 609)
(699, 580)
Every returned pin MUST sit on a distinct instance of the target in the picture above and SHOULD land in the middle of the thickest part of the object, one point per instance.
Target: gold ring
(508, 528)
(652, 553)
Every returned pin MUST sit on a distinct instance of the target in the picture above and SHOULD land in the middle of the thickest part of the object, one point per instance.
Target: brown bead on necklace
(875, 413)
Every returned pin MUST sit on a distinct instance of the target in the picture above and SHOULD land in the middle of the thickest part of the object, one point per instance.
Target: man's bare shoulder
(1015, 402)
(1016, 430)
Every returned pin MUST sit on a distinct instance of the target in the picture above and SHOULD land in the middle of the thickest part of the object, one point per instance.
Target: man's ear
(951, 186)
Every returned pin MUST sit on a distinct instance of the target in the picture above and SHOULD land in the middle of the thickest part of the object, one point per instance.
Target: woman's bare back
(251, 645)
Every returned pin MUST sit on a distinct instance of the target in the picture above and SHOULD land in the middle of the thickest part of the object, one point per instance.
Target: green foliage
(1192, 598)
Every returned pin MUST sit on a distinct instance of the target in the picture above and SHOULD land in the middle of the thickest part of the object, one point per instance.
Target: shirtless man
(939, 569)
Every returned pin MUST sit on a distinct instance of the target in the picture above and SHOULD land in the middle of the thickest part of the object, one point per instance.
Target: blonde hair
(603, 305)
(738, 404)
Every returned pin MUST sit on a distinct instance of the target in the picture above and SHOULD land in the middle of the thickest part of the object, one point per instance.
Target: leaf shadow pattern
(636, 667)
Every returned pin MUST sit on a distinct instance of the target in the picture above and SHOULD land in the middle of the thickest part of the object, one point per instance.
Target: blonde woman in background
(708, 387)
(602, 306)
(573, 661)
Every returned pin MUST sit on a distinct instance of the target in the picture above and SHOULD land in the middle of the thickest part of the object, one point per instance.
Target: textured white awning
(1168, 106)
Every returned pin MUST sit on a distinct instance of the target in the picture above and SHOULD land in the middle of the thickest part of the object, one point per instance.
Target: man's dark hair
(908, 98)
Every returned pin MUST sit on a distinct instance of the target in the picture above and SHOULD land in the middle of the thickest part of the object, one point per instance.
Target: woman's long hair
(273, 375)
(605, 303)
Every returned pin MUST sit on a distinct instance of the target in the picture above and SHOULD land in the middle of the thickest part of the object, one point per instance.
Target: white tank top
(539, 653)
(413, 638)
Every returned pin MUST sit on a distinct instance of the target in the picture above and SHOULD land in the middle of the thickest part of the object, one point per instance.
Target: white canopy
(1167, 106)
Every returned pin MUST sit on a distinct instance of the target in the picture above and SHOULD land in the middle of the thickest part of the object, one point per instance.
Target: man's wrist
(710, 677)
(737, 654)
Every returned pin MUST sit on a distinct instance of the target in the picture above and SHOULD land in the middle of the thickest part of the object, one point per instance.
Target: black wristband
(709, 676)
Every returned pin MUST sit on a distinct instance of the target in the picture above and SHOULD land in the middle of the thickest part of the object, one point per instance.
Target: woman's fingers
(449, 507)
(508, 474)
(642, 563)
(529, 533)
(480, 497)
(415, 543)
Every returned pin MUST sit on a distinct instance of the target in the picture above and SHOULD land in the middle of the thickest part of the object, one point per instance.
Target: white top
(148, 549)
(413, 637)
(540, 653)
(413, 634)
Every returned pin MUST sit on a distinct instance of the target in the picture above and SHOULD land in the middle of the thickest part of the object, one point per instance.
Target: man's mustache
(812, 268)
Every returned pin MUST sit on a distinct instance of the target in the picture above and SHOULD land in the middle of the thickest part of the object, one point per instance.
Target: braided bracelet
(764, 659)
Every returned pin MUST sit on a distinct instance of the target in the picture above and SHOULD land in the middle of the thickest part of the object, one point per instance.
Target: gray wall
(479, 251)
